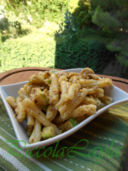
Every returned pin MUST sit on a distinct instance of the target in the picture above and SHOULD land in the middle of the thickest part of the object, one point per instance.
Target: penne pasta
(54, 102)
(36, 134)
(54, 90)
(11, 101)
(51, 112)
(35, 112)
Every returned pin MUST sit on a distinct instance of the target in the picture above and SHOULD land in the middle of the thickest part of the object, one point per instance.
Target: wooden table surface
(22, 74)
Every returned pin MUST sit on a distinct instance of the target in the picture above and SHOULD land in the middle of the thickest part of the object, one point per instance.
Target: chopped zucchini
(73, 122)
(48, 132)
(68, 124)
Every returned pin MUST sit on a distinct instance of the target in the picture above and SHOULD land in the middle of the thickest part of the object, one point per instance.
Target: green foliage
(89, 29)
(13, 30)
(109, 5)
(4, 24)
(10, 27)
(73, 51)
(82, 14)
(35, 49)
(108, 18)
(112, 16)
(105, 21)
(121, 47)
(36, 12)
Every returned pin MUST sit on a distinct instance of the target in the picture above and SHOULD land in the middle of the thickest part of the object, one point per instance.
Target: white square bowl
(117, 95)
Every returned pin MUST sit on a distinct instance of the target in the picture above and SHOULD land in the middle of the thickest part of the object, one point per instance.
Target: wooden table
(22, 74)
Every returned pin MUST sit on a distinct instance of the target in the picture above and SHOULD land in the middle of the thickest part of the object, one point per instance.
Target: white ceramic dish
(117, 95)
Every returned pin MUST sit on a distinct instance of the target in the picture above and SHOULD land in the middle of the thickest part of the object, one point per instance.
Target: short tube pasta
(51, 102)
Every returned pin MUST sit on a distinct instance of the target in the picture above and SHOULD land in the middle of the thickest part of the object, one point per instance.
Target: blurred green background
(65, 34)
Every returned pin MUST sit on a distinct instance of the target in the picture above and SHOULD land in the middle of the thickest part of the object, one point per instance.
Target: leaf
(105, 20)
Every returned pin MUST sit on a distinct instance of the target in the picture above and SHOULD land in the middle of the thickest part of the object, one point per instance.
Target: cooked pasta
(54, 102)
